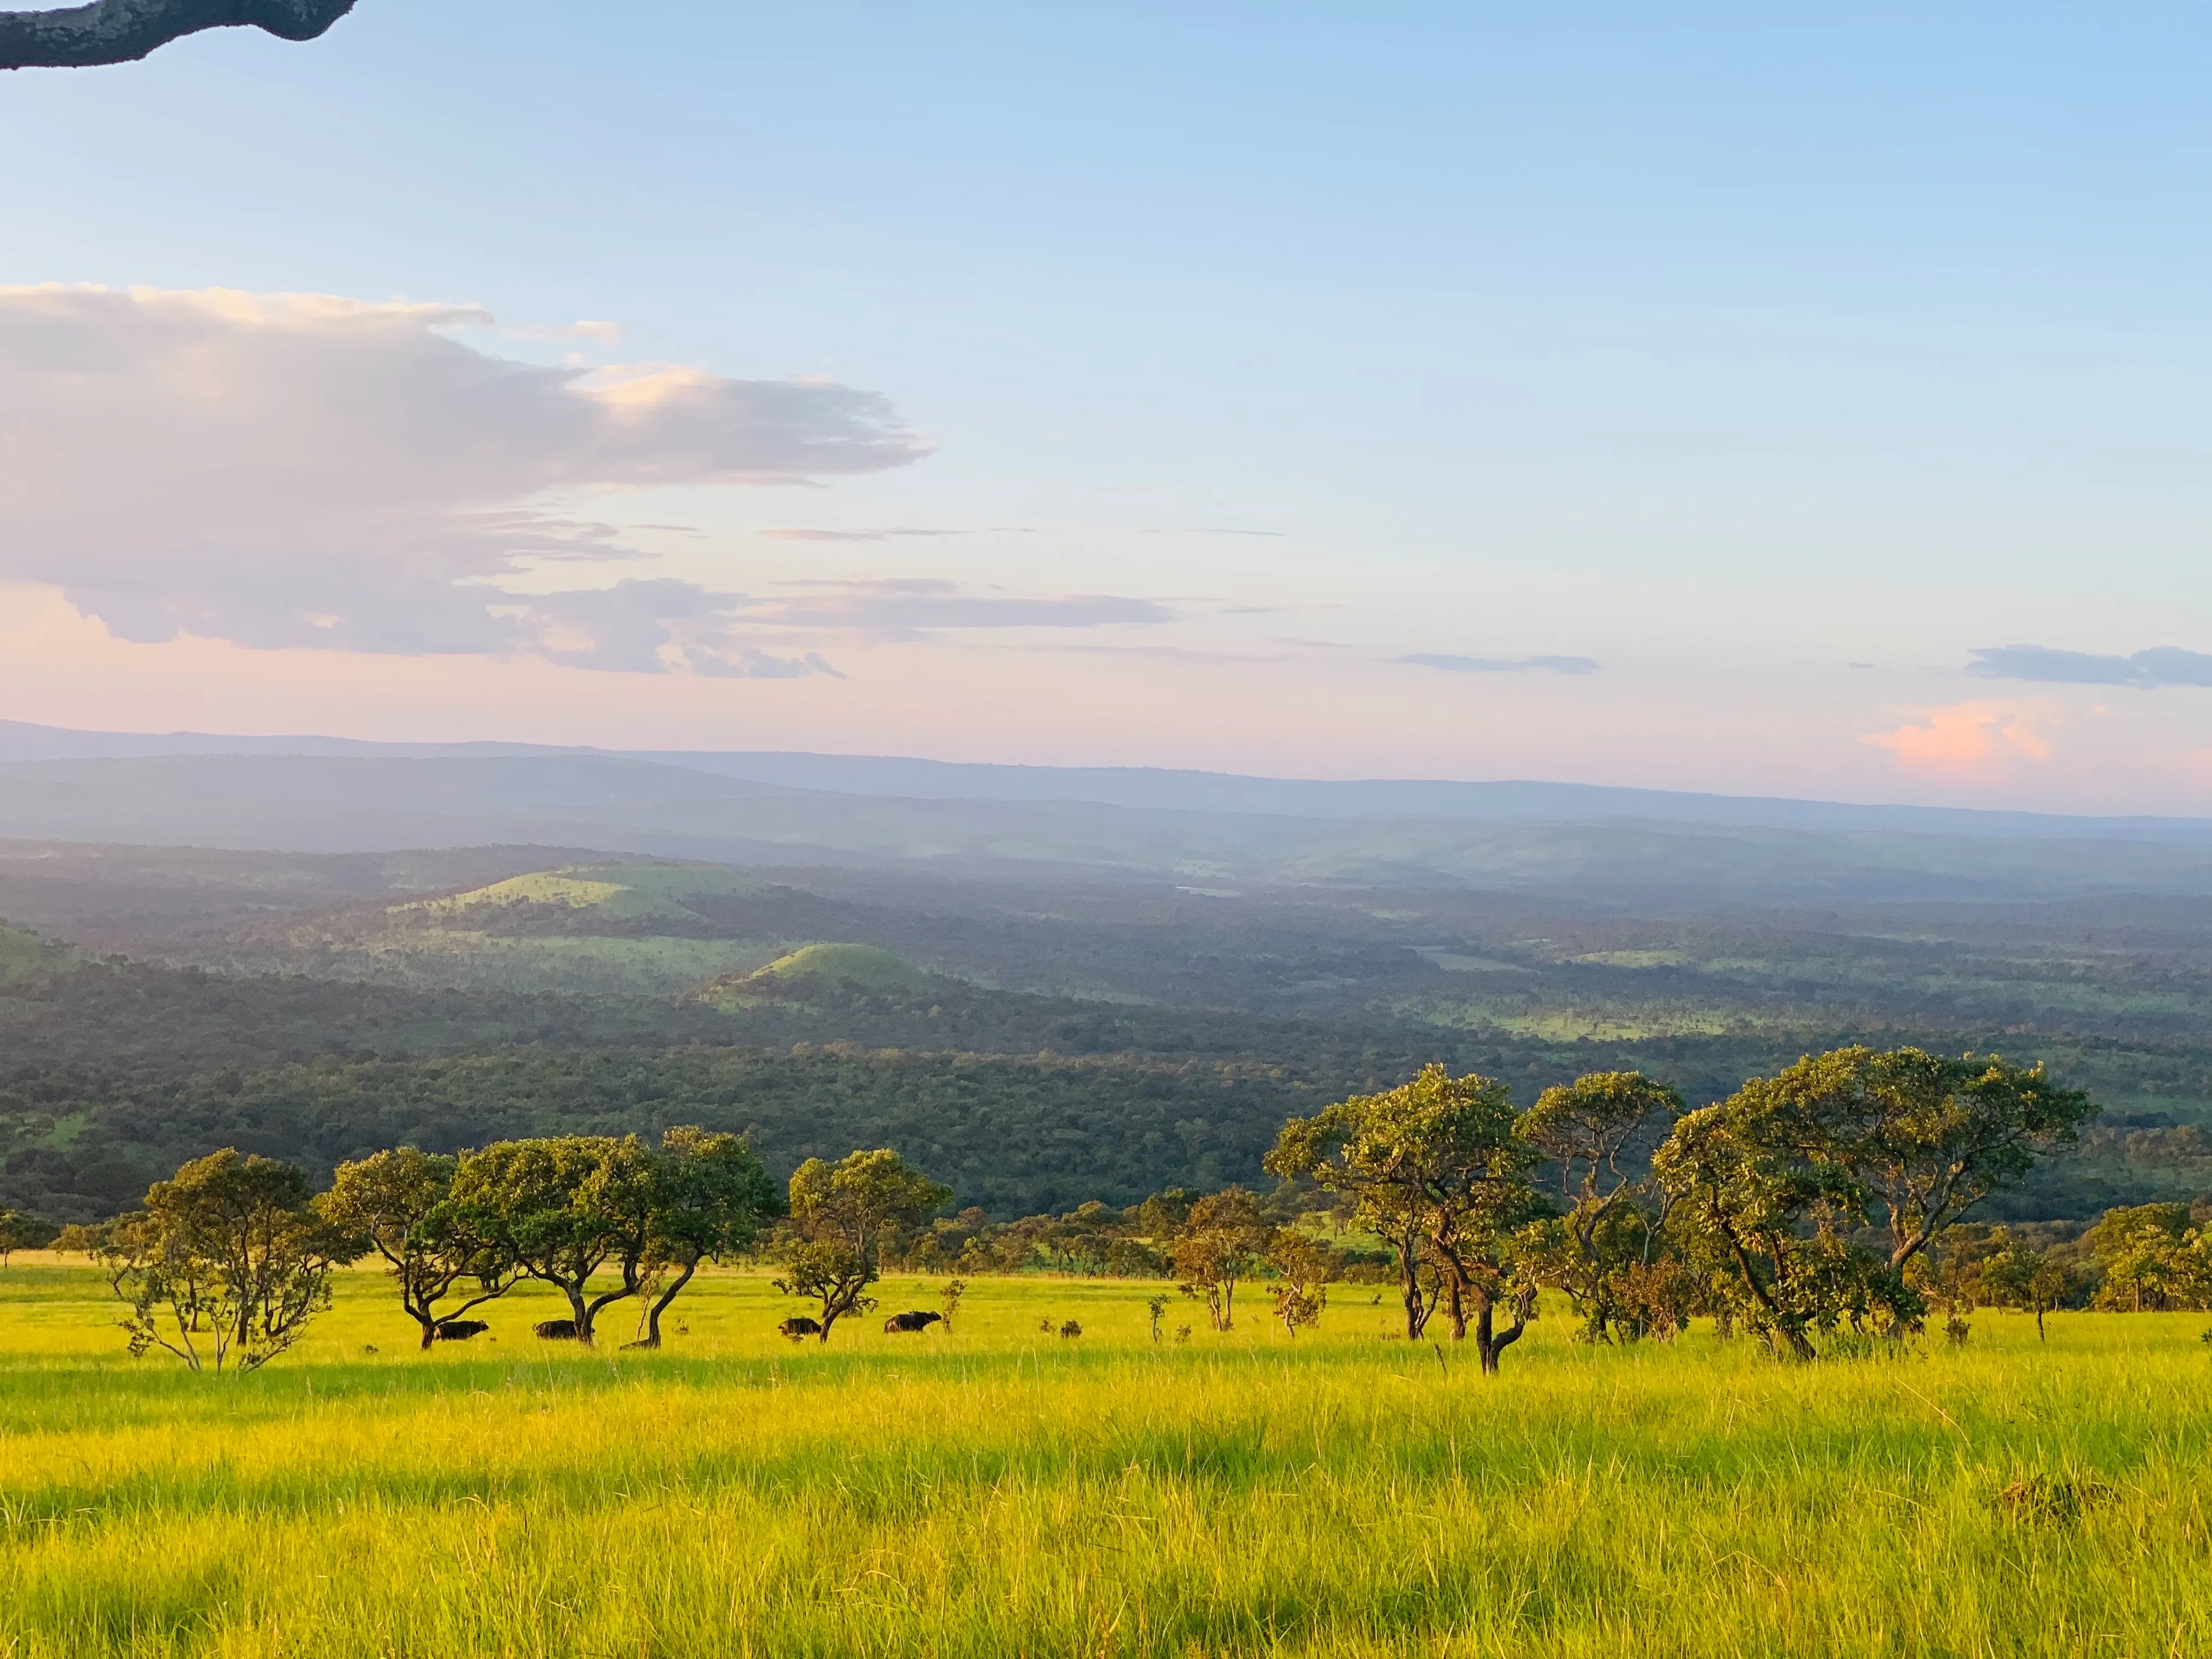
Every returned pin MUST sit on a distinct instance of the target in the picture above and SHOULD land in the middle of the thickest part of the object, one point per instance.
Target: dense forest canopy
(1034, 1044)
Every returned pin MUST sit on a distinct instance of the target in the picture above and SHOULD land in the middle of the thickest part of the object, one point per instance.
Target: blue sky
(1254, 351)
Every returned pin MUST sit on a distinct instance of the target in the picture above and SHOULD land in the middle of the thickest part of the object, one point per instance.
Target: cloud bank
(1452, 665)
(305, 471)
(2161, 665)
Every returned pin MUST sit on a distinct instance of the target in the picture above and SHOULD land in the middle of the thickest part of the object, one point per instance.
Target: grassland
(996, 1490)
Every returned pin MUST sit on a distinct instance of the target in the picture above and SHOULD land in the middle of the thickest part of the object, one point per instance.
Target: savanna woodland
(629, 1031)
(437, 1255)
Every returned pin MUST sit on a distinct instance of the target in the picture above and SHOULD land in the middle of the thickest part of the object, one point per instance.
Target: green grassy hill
(863, 965)
(614, 892)
(813, 968)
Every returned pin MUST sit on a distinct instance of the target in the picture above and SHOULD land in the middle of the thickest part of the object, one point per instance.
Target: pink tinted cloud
(1985, 739)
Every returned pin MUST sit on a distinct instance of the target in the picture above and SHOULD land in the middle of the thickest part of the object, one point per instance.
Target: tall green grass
(998, 1491)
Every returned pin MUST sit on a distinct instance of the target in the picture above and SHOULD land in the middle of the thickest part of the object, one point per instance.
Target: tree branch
(123, 30)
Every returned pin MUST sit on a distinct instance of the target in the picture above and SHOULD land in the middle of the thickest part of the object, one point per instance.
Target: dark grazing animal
(555, 1330)
(910, 1321)
(458, 1330)
(1070, 1328)
(798, 1328)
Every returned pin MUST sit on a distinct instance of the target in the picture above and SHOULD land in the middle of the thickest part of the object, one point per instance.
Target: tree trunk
(660, 1306)
(579, 1312)
(1409, 1281)
(2038, 1323)
(1491, 1344)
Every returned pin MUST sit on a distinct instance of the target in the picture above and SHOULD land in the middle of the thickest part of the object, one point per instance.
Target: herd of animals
(564, 1330)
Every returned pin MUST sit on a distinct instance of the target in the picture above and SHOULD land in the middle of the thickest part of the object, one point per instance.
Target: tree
(1588, 1128)
(19, 1232)
(1439, 1168)
(2018, 1276)
(559, 1210)
(1304, 1267)
(1781, 1176)
(398, 1202)
(841, 1215)
(710, 1198)
(1221, 1241)
(1925, 1138)
(1774, 1228)
(2152, 1258)
(228, 1263)
(122, 31)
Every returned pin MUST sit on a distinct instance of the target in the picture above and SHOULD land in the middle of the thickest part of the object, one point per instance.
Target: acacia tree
(841, 1213)
(398, 1202)
(1438, 1167)
(1592, 1129)
(1222, 1239)
(710, 1198)
(122, 31)
(226, 1264)
(562, 1210)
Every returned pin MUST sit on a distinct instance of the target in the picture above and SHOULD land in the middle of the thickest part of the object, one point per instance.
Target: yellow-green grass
(617, 891)
(996, 1491)
(867, 966)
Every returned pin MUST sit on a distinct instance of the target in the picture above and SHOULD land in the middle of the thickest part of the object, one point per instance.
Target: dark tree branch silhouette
(122, 31)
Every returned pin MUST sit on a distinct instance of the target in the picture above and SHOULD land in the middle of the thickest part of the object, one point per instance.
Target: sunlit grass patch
(1001, 1490)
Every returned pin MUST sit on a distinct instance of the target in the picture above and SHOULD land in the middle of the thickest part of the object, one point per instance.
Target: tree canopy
(560, 1210)
(841, 1216)
(226, 1264)
(1439, 1168)
(1778, 1179)
(710, 1198)
(398, 1202)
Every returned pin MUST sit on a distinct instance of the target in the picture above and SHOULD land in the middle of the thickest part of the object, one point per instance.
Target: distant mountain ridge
(1149, 789)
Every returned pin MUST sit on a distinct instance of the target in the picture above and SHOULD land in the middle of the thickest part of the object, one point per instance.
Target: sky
(1722, 398)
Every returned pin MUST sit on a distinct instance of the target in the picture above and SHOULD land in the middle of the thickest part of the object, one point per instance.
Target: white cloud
(288, 471)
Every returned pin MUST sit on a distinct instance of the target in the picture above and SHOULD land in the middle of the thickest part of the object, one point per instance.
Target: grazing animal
(798, 1328)
(458, 1330)
(910, 1321)
(1070, 1328)
(555, 1330)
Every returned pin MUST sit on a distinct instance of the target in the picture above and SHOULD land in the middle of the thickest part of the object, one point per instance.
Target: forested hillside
(1035, 1045)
